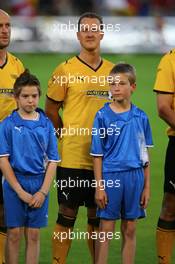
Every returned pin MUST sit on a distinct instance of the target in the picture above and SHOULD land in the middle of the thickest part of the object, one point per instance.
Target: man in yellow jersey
(79, 87)
(165, 90)
(10, 69)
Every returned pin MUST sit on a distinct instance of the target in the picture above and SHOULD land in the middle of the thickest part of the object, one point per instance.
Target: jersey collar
(122, 116)
(95, 70)
(29, 123)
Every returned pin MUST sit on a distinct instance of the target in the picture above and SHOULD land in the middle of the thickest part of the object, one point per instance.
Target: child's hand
(101, 198)
(37, 200)
(145, 198)
(25, 196)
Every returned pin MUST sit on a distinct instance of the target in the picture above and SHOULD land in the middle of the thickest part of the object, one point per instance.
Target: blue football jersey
(121, 138)
(28, 143)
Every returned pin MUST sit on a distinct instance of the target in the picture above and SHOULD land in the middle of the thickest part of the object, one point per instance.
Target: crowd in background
(76, 7)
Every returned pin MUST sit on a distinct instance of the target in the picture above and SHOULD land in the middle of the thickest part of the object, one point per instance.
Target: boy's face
(90, 34)
(120, 87)
(28, 99)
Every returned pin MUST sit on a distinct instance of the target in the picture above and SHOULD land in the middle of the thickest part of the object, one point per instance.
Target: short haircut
(127, 69)
(26, 79)
(3, 12)
(90, 15)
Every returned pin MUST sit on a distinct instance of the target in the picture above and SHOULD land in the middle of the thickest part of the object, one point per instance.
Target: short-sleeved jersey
(28, 143)
(11, 69)
(83, 91)
(121, 138)
(165, 79)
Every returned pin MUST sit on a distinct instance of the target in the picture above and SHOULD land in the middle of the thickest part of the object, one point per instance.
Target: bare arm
(50, 173)
(147, 176)
(100, 195)
(98, 169)
(39, 197)
(146, 191)
(165, 110)
(9, 175)
(52, 111)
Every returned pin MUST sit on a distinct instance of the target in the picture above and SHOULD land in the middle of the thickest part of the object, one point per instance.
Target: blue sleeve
(98, 134)
(147, 132)
(5, 138)
(52, 149)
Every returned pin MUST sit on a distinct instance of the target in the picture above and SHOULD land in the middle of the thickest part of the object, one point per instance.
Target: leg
(32, 237)
(128, 230)
(165, 235)
(93, 226)
(69, 197)
(102, 244)
(3, 230)
(60, 241)
(3, 235)
(12, 245)
(108, 215)
(93, 220)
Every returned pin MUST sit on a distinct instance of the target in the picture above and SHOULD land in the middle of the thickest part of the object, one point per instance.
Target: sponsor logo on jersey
(99, 94)
(6, 91)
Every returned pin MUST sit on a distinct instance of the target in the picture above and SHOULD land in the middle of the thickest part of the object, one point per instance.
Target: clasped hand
(36, 200)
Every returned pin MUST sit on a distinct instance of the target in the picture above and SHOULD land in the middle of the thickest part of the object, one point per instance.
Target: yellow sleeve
(58, 83)
(20, 67)
(165, 75)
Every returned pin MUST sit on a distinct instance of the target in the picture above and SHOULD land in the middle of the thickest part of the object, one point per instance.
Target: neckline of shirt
(95, 70)
(36, 118)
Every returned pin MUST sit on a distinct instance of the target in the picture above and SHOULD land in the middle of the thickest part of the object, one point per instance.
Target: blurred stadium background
(146, 32)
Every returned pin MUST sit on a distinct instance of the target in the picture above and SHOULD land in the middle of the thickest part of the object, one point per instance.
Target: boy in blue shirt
(120, 137)
(28, 160)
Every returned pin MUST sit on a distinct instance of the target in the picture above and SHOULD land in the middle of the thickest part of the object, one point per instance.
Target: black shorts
(75, 187)
(169, 183)
(1, 192)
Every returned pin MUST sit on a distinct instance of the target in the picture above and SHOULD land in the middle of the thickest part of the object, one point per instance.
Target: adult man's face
(90, 34)
(5, 30)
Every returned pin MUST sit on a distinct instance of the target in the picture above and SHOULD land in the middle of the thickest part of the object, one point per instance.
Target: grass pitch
(42, 65)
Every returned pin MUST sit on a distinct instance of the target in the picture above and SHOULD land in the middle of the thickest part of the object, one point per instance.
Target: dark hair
(90, 15)
(26, 78)
(125, 68)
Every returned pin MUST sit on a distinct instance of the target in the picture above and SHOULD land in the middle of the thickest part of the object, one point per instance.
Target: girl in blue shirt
(28, 160)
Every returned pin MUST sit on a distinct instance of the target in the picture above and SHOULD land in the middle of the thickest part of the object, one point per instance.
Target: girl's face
(28, 99)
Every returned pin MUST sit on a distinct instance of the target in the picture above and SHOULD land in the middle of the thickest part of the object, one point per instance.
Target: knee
(128, 231)
(106, 227)
(14, 235)
(66, 221)
(168, 212)
(66, 216)
(168, 207)
(33, 236)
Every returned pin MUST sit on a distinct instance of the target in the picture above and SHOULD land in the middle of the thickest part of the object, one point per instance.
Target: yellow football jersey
(165, 79)
(11, 69)
(83, 91)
